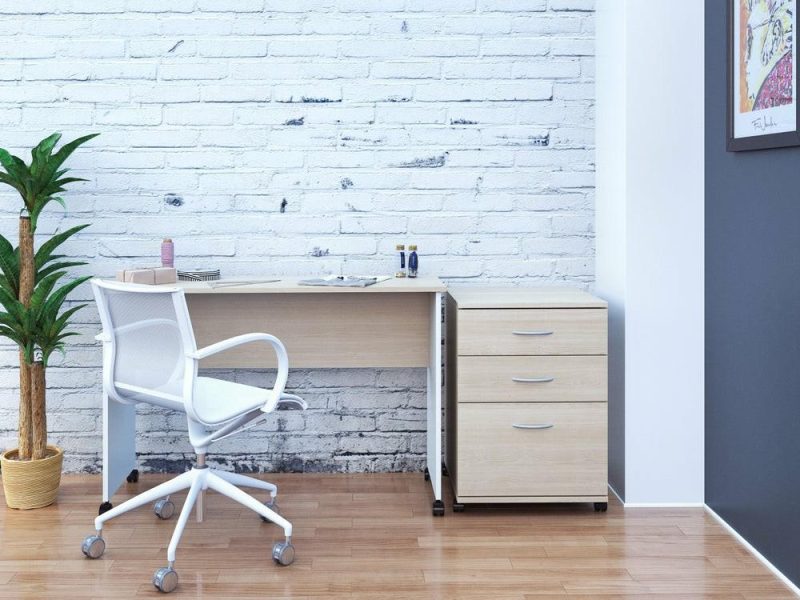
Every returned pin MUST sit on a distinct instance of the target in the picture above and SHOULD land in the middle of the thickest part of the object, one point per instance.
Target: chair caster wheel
(458, 507)
(104, 507)
(93, 546)
(283, 553)
(600, 506)
(164, 509)
(438, 508)
(272, 505)
(427, 474)
(165, 579)
(133, 476)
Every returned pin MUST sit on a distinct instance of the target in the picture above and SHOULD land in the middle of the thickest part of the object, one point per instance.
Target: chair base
(198, 480)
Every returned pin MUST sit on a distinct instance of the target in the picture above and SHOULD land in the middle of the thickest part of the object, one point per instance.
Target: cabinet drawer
(554, 450)
(532, 379)
(532, 331)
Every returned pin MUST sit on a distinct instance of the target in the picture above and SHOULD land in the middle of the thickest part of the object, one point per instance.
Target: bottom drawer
(536, 449)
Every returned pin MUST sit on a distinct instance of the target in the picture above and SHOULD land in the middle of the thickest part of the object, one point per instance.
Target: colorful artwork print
(763, 72)
(766, 28)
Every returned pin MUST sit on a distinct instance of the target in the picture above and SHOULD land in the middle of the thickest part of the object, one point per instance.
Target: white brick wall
(465, 126)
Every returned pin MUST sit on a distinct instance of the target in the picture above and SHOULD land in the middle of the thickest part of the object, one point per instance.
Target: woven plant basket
(31, 483)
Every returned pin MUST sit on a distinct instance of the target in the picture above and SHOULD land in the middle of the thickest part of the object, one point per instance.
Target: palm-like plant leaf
(9, 267)
(9, 180)
(15, 322)
(40, 324)
(41, 153)
(9, 260)
(63, 319)
(41, 273)
(53, 303)
(42, 291)
(45, 253)
(67, 149)
(11, 334)
(19, 173)
(48, 330)
(39, 183)
(12, 305)
(13, 165)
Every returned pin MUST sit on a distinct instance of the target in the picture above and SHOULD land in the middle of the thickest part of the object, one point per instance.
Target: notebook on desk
(343, 281)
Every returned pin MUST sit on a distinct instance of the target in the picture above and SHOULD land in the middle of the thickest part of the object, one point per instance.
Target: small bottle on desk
(413, 261)
(401, 248)
(167, 253)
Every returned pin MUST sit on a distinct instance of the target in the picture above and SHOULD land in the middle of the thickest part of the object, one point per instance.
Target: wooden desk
(395, 323)
(384, 325)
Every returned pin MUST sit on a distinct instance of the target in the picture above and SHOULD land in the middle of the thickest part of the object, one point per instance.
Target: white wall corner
(650, 227)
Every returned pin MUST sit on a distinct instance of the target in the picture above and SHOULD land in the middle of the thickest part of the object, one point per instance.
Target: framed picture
(762, 75)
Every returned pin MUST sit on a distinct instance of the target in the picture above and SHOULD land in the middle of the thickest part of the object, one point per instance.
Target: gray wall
(752, 329)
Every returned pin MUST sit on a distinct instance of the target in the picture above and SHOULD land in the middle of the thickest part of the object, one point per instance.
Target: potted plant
(32, 297)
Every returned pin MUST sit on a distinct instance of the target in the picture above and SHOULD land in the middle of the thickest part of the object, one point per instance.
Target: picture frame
(763, 109)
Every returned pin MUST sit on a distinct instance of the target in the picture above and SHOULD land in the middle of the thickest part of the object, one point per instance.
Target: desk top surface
(524, 297)
(289, 285)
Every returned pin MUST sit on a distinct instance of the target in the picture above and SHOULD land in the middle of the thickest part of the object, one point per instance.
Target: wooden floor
(373, 537)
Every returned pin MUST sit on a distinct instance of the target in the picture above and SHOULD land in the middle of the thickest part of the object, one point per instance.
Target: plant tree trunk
(27, 276)
(25, 417)
(39, 412)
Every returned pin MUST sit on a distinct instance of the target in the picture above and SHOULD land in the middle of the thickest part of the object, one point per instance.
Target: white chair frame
(201, 477)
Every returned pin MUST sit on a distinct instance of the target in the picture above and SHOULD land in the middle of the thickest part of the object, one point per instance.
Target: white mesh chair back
(150, 334)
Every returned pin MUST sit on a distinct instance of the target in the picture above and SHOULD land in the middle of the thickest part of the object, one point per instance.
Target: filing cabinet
(527, 389)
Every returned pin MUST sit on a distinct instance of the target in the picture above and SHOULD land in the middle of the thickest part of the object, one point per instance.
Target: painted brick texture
(303, 136)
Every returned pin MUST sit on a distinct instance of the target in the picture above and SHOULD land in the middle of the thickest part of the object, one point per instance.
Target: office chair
(150, 355)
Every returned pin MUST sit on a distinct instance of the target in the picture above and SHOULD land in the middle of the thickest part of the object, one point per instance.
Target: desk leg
(119, 446)
(434, 411)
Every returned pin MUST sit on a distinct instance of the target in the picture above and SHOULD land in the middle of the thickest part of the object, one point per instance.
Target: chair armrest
(292, 402)
(277, 345)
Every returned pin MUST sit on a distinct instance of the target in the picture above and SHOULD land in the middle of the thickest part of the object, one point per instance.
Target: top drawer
(535, 331)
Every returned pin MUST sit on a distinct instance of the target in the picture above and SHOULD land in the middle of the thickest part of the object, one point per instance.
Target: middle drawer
(532, 379)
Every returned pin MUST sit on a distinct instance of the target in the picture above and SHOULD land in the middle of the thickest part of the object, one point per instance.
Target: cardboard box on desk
(148, 275)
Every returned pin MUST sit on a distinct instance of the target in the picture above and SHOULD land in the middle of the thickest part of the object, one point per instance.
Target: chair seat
(215, 400)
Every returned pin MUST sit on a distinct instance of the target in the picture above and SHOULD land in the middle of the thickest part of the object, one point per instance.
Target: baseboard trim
(664, 505)
(749, 547)
(614, 492)
(654, 504)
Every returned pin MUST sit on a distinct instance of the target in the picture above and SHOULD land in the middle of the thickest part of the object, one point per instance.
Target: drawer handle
(533, 379)
(532, 426)
(532, 332)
